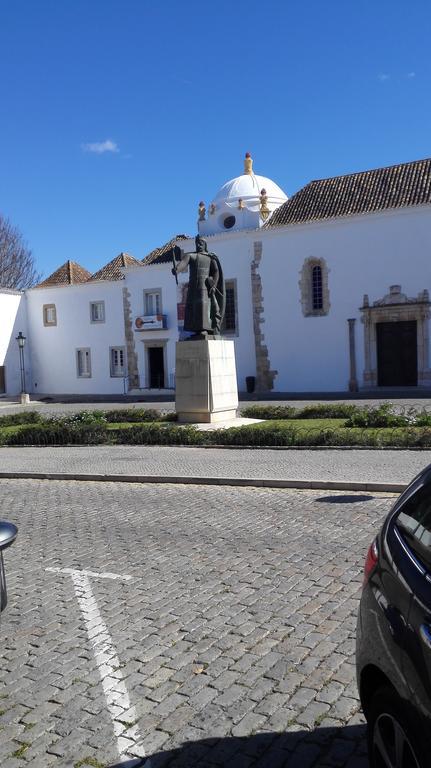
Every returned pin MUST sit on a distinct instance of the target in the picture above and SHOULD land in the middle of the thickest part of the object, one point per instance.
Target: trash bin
(8, 534)
(250, 383)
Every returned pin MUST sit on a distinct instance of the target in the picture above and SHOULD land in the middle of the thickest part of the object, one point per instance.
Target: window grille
(152, 303)
(117, 361)
(317, 287)
(97, 311)
(83, 363)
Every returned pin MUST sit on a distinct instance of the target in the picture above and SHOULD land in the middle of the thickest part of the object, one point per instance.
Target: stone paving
(234, 637)
(366, 466)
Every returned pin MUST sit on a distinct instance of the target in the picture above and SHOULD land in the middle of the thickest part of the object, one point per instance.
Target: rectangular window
(117, 363)
(83, 363)
(49, 314)
(152, 302)
(97, 311)
(230, 322)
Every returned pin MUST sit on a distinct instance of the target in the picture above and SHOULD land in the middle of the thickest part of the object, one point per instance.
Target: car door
(412, 527)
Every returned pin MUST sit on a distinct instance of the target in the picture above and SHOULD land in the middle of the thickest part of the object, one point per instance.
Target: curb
(323, 485)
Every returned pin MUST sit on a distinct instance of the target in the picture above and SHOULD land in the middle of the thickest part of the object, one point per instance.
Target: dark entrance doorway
(397, 354)
(156, 365)
(2, 380)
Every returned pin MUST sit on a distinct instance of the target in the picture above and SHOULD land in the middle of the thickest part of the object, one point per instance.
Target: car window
(414, 524)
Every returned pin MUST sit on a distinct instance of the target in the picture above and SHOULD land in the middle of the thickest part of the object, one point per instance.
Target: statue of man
(206, 297)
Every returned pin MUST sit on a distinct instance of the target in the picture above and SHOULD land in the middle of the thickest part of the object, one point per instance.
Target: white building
(326, 291)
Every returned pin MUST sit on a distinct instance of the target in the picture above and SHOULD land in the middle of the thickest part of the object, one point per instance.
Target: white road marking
(95, 574)
(107, 661)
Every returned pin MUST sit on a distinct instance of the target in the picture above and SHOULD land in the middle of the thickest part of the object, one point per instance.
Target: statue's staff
(175, 265)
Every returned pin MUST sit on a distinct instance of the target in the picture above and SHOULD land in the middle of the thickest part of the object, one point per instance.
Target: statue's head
(201, 245)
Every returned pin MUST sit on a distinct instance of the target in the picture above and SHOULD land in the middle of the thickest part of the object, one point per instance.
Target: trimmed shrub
(318, 411)
(327, 411)
(13, 419)
(381, 416)
(119, 415)
(159, 434)
(60, 434)
(82, 417)
(269, 412)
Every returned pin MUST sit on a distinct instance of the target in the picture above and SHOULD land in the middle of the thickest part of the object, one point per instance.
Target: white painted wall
(13, 319)
(365, 254)
(53, 348)
(154, 277)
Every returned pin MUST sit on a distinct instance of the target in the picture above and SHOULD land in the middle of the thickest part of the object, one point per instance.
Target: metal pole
(21, 363)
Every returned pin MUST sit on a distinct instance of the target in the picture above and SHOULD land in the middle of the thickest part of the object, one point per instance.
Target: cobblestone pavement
(388, 466)
(234, 637)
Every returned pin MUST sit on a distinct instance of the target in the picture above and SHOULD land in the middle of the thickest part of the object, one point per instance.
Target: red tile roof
(163, 255)
(397, 186)
(69, 273)
(113, 270)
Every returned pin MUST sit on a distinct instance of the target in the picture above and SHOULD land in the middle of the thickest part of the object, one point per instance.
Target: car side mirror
(8, 534)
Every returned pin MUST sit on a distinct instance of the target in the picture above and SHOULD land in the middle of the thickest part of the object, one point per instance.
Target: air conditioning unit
(150, 322)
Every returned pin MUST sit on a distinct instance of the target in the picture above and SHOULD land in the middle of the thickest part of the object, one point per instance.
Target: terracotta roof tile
(69, 273)
(163, 255)
(397, 186)
(113, 270)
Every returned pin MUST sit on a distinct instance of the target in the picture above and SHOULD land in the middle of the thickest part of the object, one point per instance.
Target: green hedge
(60, 434)
(158, 434)
(25, 417)
(319, 411)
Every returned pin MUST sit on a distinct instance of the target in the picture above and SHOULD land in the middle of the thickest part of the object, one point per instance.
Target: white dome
(248, 187)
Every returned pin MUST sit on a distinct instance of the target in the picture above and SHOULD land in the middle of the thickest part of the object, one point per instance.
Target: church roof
(163, 255)
(69, 273)
(113, 270)
(380, 189)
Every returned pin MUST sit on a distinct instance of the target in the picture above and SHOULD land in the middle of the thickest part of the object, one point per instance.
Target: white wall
(364, 254)
(13, 319)
(153, 277)
(53, 348)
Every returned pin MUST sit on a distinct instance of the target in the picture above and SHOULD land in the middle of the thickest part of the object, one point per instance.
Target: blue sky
(118, 116)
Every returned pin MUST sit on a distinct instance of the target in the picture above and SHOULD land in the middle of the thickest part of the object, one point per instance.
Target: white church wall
(365, 255)
(13, 319)
(53, 348)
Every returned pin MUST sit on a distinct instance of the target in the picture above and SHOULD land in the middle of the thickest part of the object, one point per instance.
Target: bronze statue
(206, 297)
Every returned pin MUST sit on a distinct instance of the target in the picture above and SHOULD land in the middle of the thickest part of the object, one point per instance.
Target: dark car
(393, 650)
(8, 534)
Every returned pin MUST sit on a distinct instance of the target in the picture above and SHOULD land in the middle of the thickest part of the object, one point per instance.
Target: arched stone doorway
(396, 337)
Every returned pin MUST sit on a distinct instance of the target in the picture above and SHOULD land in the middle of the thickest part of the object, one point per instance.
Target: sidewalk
(343, 469)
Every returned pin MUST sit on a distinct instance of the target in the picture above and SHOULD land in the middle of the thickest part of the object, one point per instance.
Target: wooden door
(397, 354)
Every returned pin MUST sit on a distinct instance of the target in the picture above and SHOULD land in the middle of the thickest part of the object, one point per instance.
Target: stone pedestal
(25, 398)
(205, 380)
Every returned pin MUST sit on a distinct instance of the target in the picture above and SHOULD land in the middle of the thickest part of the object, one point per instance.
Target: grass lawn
(301, 425)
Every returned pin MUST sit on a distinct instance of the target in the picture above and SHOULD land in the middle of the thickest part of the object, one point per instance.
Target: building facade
(326, 292)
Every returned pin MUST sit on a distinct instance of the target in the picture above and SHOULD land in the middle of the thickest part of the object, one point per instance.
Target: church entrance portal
(396, 336)
(397, 354)
(156, 367)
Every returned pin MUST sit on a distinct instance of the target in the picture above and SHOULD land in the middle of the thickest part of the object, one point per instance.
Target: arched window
(317, 287)
(314, 287)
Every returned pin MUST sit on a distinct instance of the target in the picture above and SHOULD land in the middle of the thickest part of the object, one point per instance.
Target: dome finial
(248, 164)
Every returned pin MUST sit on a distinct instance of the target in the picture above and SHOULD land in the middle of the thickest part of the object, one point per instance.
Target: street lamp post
(21, 343)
